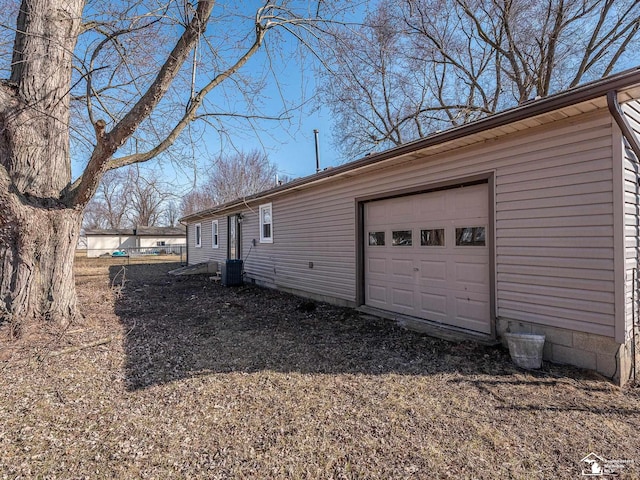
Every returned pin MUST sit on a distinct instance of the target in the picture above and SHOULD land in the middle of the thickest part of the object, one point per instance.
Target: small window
(214, 234)
(198, 233)
(161, 244)
(266, 224)
(470, 236)
(401, 238)
(376, 239)
(432, 237)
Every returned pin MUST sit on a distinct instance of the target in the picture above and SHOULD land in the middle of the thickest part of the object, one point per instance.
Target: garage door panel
(403, 298)
(377, 265)
(401, 211)
(433, 270)
(472, 311)
(470, 273)
(432, 207)
(376, 213)
(438, 281)
(402, 268)
(377, 294)
(466, 205)
(434, 305)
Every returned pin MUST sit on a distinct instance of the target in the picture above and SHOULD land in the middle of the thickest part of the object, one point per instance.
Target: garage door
(427, 256)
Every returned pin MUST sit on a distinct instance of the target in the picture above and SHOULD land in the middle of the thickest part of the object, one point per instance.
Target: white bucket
(525, 349)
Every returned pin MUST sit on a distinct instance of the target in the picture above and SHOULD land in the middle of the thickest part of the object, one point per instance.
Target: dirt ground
(183, 378)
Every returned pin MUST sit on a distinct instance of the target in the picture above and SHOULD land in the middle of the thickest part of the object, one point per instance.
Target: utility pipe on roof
(315, 133)
(618, 116)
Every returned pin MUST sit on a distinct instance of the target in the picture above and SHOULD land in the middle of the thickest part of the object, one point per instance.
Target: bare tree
(370, 87)
(68, 59)
(109, 205)
(231, 177)
(146, 200)
(127, 198)
(415, 66)
(171, 214)
(552, 44)
(194, 201)
(94, 217)
(239, 175)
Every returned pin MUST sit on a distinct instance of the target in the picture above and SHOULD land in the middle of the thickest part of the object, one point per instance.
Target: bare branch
(111, 141)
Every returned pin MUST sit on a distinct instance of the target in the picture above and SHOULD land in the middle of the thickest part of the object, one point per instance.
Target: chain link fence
(165, 253)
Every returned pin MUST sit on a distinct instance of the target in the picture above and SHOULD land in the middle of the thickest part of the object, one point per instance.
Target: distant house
(525, 221)
(107, 241)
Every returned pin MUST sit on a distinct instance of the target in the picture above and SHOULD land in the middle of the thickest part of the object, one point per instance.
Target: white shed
(139, 239)
(106, 241)
(525, 221)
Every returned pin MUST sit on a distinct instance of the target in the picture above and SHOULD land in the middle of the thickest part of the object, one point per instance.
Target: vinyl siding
(631, 218)
(153, 241)
(206, 252)
(553, 223)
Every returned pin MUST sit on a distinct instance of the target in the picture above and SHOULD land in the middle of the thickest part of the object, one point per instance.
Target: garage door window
(401, 238)
(432, 238)
(470, 236)
(376, 239)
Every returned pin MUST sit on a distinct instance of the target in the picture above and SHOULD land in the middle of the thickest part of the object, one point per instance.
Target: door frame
(236, 219)
(487, 177)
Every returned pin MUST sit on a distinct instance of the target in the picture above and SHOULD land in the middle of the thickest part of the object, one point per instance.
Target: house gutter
(623, 123)
(590, 91)
(628, 133)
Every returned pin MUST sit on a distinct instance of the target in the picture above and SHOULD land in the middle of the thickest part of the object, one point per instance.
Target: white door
(427, 256)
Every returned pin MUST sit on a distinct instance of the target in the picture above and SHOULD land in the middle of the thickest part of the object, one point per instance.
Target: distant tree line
(127, 198)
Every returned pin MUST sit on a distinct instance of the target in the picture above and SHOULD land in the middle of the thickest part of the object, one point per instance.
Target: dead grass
(200, 381)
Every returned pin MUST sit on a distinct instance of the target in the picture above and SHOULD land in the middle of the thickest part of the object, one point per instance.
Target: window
(214, 234)
(401, 238)
(432, 237)
(161, 243)
(266, 224)
(376, 239)
(198, 234)
(470, 236)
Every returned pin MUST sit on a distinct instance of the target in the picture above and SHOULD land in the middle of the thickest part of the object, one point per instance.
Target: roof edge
(581, 93)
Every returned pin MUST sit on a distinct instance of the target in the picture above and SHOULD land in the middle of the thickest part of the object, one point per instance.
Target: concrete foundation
(585, 350)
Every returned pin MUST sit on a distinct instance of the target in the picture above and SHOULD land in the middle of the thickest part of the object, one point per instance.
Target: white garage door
(427, 256)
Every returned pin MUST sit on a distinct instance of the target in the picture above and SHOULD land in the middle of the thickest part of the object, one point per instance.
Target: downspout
(632, 140)
(618, 116)
(186, 226)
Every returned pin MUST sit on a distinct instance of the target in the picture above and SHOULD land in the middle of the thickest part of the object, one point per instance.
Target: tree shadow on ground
(182, 327)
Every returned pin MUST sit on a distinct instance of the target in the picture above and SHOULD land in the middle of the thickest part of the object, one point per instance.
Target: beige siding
(554, 235)
(631, 217)
(206, 252)
(553, 224)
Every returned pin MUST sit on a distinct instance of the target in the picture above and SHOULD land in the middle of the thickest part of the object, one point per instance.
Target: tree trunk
(38, 230)
(40, 209)
(37, 248)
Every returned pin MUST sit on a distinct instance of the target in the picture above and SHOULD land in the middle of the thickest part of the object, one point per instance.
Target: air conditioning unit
(232, 273)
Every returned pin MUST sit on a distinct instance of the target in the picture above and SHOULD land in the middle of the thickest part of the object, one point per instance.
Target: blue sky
(289, 144)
